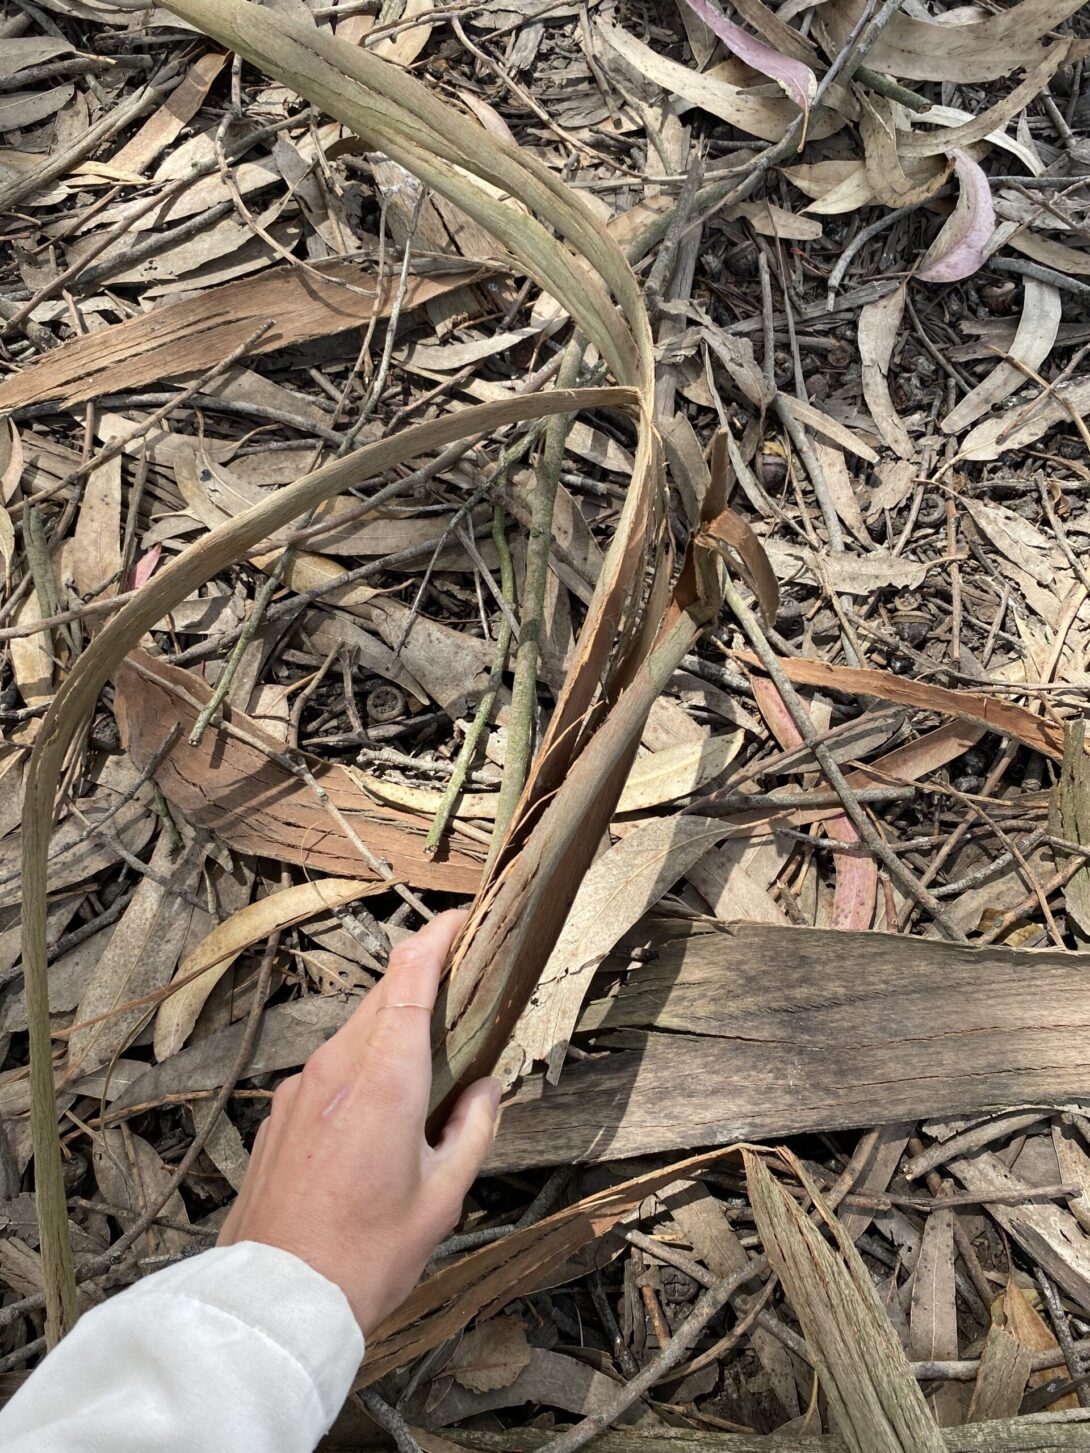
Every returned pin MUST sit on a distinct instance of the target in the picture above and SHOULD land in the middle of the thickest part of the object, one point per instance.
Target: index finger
(396, 1058)
(412, 977)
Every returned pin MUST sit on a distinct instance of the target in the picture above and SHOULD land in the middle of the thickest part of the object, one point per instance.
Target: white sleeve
(242, 1349)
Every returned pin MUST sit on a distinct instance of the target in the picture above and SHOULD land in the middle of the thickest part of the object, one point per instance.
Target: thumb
(468, 1134)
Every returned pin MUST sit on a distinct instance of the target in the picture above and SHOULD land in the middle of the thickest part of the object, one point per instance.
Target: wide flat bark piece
(760, 1031)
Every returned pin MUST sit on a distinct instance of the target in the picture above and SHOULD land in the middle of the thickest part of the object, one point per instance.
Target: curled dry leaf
(491, 1356)
(24, 51)
(1050, 253)
(879, 323)
(75, 853)
(98, 530)
(761, 116)
(928, 50)
(894, 180)
(11, 460)
(1024, 424)
(731, 531)
(617, 891)
(7, 540)
(1037, 329)
(853, 191)
(793, 77)
(988, 124)
(200, 971)
(1016, 538)
(139, 959)
(677, 771)
(959, 249)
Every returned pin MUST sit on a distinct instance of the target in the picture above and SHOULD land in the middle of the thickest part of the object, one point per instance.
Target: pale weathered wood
(1056, 1433)
(779, 1031)
(874, 1400)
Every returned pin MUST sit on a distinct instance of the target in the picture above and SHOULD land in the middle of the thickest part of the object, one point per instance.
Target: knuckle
(317, 1071)
(283, 1098)
(408, 954)
(286, 1090)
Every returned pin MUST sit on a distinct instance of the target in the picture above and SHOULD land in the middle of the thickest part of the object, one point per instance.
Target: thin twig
(708, 1305)
(897, 870)
(388, 1418)
(479, 725)
(1060, 1325)
(522, 715)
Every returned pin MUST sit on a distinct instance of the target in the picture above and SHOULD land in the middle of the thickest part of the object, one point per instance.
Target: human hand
(341, 1173)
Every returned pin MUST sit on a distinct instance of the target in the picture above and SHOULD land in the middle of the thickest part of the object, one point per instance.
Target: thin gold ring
(404, 1004)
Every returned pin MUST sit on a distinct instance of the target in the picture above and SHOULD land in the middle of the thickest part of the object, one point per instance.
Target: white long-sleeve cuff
(243, 1349)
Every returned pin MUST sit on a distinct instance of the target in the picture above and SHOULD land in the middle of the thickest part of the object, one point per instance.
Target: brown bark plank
(779, 1031)
(234, 788)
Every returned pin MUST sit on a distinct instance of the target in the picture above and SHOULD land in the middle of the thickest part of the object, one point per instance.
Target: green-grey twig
(479, 724)
(523, 713)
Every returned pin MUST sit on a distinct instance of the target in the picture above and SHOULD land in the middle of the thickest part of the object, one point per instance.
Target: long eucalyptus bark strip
(494, 974)
(77, 697)
(523, 712)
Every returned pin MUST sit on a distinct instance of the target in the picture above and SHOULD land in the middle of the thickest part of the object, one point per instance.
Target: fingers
(468, 1134)
(412, 976)
(416, 964)
(397, 1057)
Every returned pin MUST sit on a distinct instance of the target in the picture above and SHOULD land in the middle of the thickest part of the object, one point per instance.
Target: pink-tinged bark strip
(856, 880)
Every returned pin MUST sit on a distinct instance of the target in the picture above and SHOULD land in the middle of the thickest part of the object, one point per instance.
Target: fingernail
(494, 1092)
